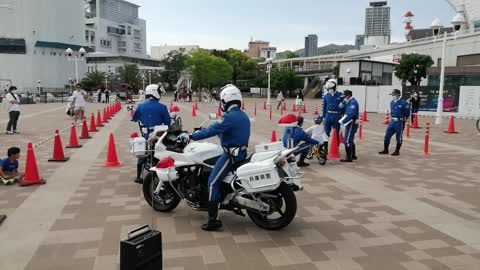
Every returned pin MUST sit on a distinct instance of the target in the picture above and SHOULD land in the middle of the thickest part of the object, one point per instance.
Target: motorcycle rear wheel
(166, 201)
(285, 205)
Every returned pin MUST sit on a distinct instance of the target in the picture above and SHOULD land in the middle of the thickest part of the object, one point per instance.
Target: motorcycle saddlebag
(142, 250)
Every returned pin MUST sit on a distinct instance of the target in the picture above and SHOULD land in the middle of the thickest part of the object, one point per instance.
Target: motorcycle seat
(241, 163)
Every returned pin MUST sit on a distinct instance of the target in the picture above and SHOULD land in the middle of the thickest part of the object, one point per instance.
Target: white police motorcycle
(263, 185)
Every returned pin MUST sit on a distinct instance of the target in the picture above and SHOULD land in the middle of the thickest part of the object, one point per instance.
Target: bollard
(427, 139)
(360, 132)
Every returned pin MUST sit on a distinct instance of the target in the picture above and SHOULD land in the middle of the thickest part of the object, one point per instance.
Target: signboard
(429, 97)
(470, 101)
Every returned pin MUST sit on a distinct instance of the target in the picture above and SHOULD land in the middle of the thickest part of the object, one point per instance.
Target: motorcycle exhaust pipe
(259, 206)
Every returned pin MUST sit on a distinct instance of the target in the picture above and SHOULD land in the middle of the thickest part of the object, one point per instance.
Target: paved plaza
(388, 213)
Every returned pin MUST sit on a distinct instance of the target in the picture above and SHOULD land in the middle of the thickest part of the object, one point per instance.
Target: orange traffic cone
(73, 138)
(58, 155)
(304, 108)
(451, 127)
(415, 122)
(93, 127)
(334, 151)
(31, 170)
(265, 105)
(426, 151)
(109, 112)
(255, 110)
(105, 116)
(387, 119)
(270, 112)
(112, 160)
(196, 105)
(360, 129)
(284, 106)
(365, 119)
(243, 106)
(281, 111)
(194, 113)
(99, 119)
(299, 111)
(342, 139)
(294, 109)
(408, 129)
(85, 134)
(316, 111)
(219, 111)
(274, 136)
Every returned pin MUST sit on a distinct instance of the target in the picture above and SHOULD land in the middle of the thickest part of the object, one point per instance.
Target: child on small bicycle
(317, 132)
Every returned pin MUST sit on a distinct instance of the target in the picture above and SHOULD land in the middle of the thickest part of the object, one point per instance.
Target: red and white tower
(408, 24)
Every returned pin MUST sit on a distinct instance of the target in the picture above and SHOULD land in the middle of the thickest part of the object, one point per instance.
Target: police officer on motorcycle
(400, 111)
(332, 107)
(234, 132)
(349, 120)
(151, 113)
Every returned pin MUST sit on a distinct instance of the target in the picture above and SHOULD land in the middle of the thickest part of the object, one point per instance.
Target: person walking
(80, 97)
(399, 111)
(13, 108)
(349, 121)
(107, 96)
(415, 104)
(280, 99)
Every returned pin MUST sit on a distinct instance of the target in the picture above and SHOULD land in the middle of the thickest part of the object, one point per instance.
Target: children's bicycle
(320, 153)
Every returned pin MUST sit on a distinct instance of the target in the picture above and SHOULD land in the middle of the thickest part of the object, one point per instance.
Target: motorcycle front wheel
(165, 201)
(283, 209)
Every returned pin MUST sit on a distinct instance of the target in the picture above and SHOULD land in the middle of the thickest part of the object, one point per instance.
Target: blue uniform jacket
(351, 111)
(152, 113)
(298, 135)
(331, 102)
(400, 109)
(233, 129)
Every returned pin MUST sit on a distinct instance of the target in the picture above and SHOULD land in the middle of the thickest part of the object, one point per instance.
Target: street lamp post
(149, 77)
(70, 84)
(106, 81)
(143, 81)
(269, 71)
(72, 56)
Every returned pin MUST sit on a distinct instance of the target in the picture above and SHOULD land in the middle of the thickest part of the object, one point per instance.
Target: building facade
(33, 38)
(359, 41)
(377, 24)
(311, 45)
(255, 48)
(160, 52)
(471, 9)
(113, 26)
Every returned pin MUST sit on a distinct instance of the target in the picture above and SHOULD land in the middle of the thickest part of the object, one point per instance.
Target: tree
(93, 80)
(130, 74)
(175, 62)
(285, 80)
(413, 68)
(208, 70)
(291, 54)
(243, 67)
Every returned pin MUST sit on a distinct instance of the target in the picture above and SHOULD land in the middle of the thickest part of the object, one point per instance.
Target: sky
(223, 24)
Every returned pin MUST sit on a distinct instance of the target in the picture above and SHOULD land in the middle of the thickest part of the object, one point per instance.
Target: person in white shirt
(80, 97)
(280, 99)
(317, 132)
(141, 94)
(13, 109)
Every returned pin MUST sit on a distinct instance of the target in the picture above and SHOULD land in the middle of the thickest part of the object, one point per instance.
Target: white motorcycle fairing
(198, 152)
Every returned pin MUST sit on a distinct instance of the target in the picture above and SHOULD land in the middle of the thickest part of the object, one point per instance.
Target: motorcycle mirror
(212, 116)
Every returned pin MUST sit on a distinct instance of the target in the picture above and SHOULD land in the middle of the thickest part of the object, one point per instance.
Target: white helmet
(331, 84)
(154, 90)
(230, 95)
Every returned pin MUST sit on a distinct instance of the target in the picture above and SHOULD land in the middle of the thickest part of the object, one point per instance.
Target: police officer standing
(400, 110)
(151, 113)
(234, 132)
(332, 108)
(349, 121)
(415, 104)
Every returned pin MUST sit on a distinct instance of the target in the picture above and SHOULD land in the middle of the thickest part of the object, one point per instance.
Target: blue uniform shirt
(331, 102)
(351, 111)
(399, 109)
(233, 129)
(9, 166)
(152, 113)
(298, 135)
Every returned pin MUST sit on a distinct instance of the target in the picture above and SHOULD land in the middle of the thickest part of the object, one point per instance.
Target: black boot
(139, 179)
(213, 223)
(302, 162)
(385, 149)
(348, 158)
(325, 145)
(397, 150)
(354, 152)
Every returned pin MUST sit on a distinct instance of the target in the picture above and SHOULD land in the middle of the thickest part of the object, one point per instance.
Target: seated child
(9, 167)
(317, 132)
(300, 139)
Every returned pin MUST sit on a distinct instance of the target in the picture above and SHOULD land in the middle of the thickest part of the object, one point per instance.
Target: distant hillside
(328, 49)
